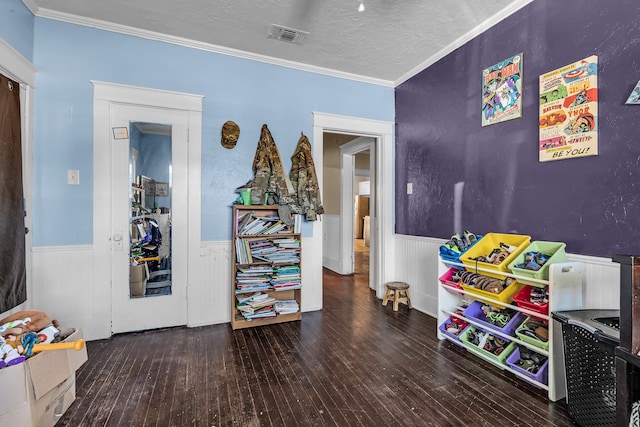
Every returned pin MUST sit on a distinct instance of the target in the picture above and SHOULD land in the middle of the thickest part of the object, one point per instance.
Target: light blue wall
(155, 160)
(247, 92)
(16, 26)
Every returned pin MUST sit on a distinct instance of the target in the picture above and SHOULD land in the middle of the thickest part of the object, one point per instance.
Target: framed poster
(634, 98)
(502, 91)
(568, 118)
(162, 189)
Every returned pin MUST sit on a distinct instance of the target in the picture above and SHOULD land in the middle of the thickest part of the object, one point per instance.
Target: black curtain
(13, 284)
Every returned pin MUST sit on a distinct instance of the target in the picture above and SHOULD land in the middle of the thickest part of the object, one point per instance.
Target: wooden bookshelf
(265, 260)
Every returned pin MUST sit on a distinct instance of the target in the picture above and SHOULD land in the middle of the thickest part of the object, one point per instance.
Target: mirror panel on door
(150, 217)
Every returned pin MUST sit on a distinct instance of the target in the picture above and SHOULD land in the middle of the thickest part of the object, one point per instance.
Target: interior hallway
(355, 363)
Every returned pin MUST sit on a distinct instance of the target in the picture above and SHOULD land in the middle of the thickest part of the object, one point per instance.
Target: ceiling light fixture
(361, 7)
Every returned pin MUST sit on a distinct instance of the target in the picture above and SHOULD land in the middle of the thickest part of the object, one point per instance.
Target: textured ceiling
(389, 41)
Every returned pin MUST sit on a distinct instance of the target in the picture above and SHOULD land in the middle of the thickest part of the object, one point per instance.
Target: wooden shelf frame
(237, 320)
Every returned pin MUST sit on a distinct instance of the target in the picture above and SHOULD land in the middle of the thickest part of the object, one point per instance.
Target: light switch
(409, 188)
(73, 177)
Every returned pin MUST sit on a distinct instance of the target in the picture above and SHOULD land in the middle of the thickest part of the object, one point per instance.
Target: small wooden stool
(397, 292)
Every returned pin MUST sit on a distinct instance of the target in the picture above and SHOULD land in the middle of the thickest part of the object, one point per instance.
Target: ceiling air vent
(286, 34)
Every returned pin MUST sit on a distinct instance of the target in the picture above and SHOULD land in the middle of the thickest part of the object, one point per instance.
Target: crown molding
(481, 28)
(194, 44)
(31, 5)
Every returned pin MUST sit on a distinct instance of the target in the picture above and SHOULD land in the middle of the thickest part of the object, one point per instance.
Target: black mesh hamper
(589, 341)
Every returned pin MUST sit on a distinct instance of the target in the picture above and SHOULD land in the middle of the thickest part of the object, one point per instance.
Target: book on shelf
(243, 220)
(286, 306)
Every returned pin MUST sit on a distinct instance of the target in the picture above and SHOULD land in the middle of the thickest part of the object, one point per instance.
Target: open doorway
(335, 232)
(348, 170)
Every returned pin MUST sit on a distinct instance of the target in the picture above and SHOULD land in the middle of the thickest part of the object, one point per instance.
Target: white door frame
(104, 95)
(18, 68)
(382, 233)
(347, 197)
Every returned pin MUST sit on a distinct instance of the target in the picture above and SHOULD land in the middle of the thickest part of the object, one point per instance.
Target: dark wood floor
(355, 363)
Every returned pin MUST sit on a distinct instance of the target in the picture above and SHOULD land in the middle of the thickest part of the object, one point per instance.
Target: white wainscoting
(210, 303)
(416, 260)
(65, 289)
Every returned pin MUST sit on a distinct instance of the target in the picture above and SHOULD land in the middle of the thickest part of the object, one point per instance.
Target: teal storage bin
(556, 253)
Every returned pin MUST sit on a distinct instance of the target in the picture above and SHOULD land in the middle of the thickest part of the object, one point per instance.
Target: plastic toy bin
(529, 340)
(474, 312)
(554, 250)
(523, 300)
(455, 337)
(500, 359)
(542, 376)
(488, 243)
(589, 340)
(506, 296)
(446, 279)
(448, 259)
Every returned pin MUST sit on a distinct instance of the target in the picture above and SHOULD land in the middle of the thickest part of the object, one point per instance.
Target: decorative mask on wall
(230, 134)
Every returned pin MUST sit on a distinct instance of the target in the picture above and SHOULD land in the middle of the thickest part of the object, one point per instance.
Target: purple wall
(591, 203)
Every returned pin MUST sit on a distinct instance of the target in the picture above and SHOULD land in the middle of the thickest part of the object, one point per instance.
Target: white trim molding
(382, 131)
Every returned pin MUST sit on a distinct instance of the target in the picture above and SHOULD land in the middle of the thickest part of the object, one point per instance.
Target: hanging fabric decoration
(305, 181)
(269, 177)
(13, 287)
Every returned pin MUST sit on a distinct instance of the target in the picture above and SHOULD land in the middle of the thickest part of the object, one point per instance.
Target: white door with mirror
(149, 211)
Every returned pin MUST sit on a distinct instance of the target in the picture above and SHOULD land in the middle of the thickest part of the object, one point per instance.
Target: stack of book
(286, 277)
(287, 306)
(253, 278)
(250, 224)
(261, 249)
(256, 306)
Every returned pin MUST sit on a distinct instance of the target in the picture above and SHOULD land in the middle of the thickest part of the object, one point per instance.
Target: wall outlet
(409, 188)
(73, 177)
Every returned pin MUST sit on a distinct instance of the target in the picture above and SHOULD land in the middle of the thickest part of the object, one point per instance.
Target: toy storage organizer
(565, 283)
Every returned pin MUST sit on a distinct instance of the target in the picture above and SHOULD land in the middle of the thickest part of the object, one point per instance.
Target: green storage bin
(500, 359)
(529, 340)
(556, 253)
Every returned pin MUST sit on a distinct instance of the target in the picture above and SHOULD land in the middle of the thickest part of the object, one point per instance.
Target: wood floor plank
(355, 363)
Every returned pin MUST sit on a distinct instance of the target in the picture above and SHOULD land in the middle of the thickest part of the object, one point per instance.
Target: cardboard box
(39, 391)
(138, 275)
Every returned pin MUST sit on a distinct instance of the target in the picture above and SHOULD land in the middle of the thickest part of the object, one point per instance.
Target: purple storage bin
(449, 334)
(474, 311)
(541, 376)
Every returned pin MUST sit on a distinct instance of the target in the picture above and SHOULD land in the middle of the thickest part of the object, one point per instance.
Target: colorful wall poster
(502, 91)
(634, 98)
(569, 111)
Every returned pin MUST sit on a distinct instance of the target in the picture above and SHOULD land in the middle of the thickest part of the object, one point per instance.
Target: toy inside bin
(501, 358)
(449, 259)
(506, 296)
(554, 250)
(446, 279)
(486, 245)
(475, 312)
(455, 336)
(523, 299)
(542, 376)
(522, 334)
